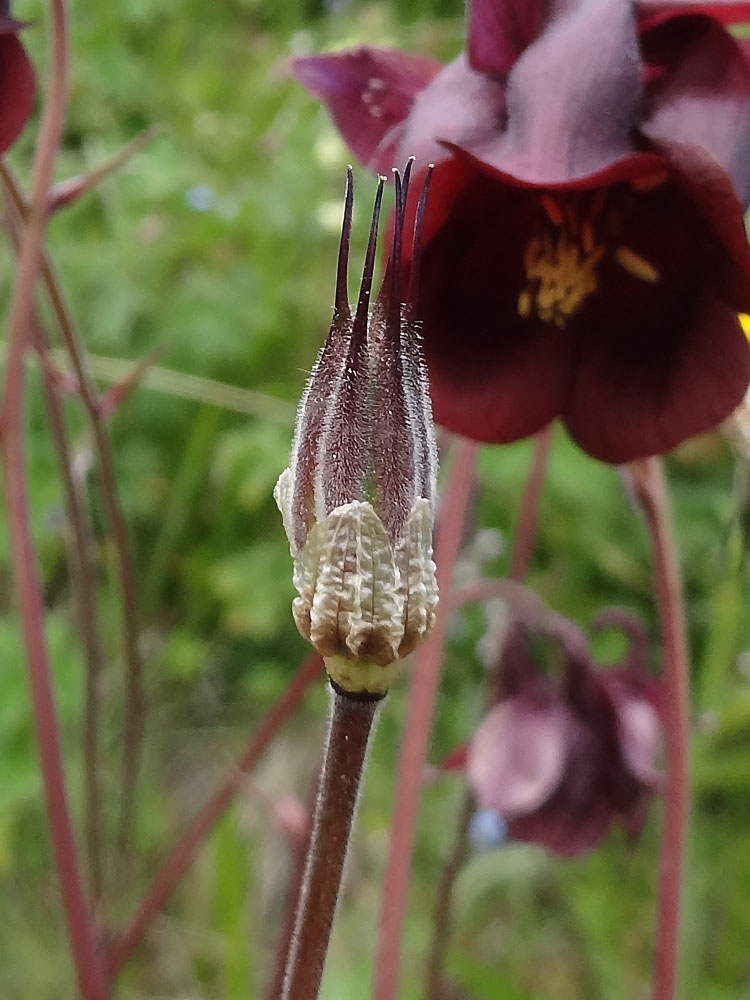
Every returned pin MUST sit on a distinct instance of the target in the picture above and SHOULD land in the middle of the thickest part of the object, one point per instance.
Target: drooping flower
(358, 497)
(585, 255)
(17, 82)
(563, 758)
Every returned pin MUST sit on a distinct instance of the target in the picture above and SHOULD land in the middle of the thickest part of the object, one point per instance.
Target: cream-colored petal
(417, 576)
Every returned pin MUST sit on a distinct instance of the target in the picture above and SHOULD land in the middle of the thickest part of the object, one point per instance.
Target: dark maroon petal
(712, 191)
(562, 831)
(573, 96)
(628, 168)
(499, 30)
(642, 393)
(703, 96)
(369, 92)
(17, 86)
(517, 755)
(725, 11)
(579, 813)
(493, 376)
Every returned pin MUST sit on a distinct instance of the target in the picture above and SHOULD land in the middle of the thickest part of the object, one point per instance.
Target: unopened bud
(358, 497)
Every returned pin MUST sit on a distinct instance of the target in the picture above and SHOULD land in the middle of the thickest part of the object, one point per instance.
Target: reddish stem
(350, 724)
(524, 539)
(91, 980)
(114, 515)
(291, 901)
(652, 493)
(183, 852)
(82, 567)
(418, 727)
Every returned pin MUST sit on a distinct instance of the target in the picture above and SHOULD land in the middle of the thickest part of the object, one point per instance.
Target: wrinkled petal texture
(17, 86)
(369, 92)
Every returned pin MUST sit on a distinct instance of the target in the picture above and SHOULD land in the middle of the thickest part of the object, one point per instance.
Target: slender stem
(183, 852)
(50, 131)
(91, 980)
(187, 386)
(350, 724)
(524, 539)
(417, 729)
(652, 493)
(82, 567)
(442, 920)
(291, 902)
(115, 518)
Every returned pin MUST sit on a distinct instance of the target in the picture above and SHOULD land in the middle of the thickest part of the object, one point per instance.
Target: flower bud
(358, 497)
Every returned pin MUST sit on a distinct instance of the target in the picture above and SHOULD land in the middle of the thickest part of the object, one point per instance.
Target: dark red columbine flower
(16, 79)
(585, 251)
(562, 758)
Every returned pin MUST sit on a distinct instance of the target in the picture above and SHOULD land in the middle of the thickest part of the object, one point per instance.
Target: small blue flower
(487, 829)
(200, 198)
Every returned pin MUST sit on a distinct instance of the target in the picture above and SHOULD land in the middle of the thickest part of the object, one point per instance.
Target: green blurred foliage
(217, 246)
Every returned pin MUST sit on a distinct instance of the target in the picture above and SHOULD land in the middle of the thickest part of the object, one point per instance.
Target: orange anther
(552, 209)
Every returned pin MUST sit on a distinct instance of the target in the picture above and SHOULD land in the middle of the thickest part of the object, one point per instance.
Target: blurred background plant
(215, 246)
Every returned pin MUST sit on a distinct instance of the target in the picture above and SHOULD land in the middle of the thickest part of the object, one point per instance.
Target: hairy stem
(418, 726)
(652, 493)
(524, 539)
(183, 852)
(350, 723)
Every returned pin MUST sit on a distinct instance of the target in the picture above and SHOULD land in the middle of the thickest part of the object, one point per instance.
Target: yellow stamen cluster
(561, 265)
(561, 276)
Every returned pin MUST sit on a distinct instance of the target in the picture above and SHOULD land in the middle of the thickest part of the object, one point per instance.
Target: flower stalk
(183, 852)
(651, 489)
(357, 503)
(417, 729)
(350, 724)
(524, 539)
